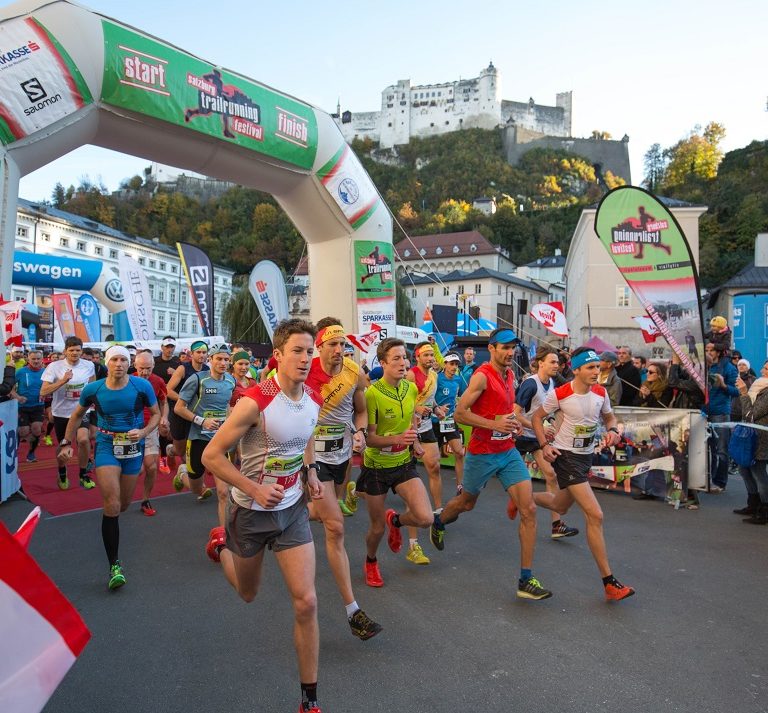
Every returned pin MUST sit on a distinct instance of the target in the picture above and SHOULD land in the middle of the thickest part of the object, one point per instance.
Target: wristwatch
(64, 442)
(312, 465)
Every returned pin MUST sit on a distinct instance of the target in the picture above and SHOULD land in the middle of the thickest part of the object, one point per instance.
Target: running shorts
(60, 425)
(105, 456)
(377, 481)
(335, 472)
(179, 426)
(507, 466)
(444, 437)
(250, 531)
(152, 443)
(28, 416)
(572, 468)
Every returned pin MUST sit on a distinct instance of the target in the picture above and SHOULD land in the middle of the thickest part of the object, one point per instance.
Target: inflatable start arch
(71, 77)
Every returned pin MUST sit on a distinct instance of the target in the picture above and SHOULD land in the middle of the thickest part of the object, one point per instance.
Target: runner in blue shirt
(31, 406)
(447, 432)
(119, 402)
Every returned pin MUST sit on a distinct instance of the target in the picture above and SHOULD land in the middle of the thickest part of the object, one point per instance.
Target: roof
(749, 276)
(450, 245)
(92, 226)
(481, 273)
(551, 261)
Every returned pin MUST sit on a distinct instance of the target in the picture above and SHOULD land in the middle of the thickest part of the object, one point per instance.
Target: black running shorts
(572, 468)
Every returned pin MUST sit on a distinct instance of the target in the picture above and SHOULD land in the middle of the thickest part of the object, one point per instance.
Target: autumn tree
(696, 156)
(654, 163)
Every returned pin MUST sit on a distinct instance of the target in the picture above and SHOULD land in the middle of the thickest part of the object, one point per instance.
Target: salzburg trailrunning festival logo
(632, 235)
(376, 263)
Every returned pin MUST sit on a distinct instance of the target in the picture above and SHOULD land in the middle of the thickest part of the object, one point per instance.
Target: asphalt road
(177, 639)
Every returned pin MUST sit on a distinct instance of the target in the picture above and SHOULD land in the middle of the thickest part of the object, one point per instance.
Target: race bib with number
(500, 435)
(447, 425)
(583, 435)
(276, 467)
(393, 449)
(123, 447)
(73, 391)
(217, 416)
(329, 439)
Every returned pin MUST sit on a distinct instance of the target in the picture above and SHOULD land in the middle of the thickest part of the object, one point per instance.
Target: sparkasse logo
(19, 53)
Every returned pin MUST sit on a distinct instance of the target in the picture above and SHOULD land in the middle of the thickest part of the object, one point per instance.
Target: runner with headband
(341, 384)
(487, 405)
(118, 402)
(274, 424)
(448, 435)
(580, 405)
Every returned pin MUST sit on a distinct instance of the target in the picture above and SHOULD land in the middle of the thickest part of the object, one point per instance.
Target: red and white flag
(12, 312)
(364, 342)
(41, 633)
(552, 316)
(650, 331)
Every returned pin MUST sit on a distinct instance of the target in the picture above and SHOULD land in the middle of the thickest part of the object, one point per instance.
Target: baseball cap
(168, 341)
(609, 356)
(719, 322)
(502, 336)
(451, 356)
(220, 349)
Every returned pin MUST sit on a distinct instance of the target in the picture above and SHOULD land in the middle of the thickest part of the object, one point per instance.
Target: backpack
(742, 445)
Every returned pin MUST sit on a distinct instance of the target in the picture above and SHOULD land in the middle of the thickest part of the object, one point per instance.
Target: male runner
(445, 429)
(118, 402)
(179, 427)
(341, 384)
(64, 380)
(530, 395)
(487, 405)
(145, 364)
(31, 406)
(423, 375)
(580, 405)
(204, 402)
(274, 424)
(387, 462)
(165, 367)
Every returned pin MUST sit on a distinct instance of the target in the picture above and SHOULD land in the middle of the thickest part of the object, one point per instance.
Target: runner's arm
(464, 415)
(181, 409)
(74, 422)
(612, 436)
(174, 382)
(48, 387)
(360, 413)
(136, 434)
(313, 483)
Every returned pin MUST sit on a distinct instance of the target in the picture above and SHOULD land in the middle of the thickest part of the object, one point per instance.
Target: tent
(599, 345)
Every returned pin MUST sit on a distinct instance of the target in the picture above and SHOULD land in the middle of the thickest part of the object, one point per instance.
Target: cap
(168, 341)
(219, 349)
(451, 356)
(131, 349)
(609, 356)
(745, 362)
(502, 336)
(718, 322)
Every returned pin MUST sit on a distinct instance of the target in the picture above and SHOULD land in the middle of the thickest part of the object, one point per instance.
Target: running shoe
(47, 440)
(363, 627)
(86, 482)
(31, 458)
(511, 509)
(207, 492)
(162, 466)
(373, 576)
(91, 465)
(116, 576)
(352, 499)
(178, 481)
(217, 540)
(314, 708)
(63, 483)
(394, 538)
(345, 511)
(436, 537)
(147, 509)
(615, 591)
(532, 589)
(562, 530)
(416, 554)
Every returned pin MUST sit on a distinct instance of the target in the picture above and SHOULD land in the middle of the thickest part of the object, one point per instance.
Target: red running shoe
(615, 591)
(511, 509)
(217, 540)
(394, 538)
(373, 576)
(147, 509)
(163, 466)
(314, 708)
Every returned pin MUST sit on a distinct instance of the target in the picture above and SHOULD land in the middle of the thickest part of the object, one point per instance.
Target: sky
(652, 70)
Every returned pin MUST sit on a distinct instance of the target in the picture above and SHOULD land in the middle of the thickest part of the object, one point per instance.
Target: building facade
(45, 230)
(598, 300)
(428, 110)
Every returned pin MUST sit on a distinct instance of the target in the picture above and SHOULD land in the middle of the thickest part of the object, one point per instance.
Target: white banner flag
(138, 305)
(552, 316)
(267, 287)
(11, 311)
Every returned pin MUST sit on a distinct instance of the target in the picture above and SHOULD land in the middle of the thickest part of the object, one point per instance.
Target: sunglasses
(652, 372)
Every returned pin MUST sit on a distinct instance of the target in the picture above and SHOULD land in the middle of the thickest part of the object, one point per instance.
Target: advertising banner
(65, 315)
(87, 312)
(199, 273)
(44, 304)
(9, 442)
(375, 286)
(153, 78)
(652, 254)
(11, 313)
(267, 287)
(551, 315)
(138, 305)
(58, 272)
(350, 186)
(39, 82)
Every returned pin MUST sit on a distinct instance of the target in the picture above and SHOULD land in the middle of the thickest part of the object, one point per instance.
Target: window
(161, 321)
(172, 321)
(46, 237)
(142, 261)
(184, 298)
(172, 294)
(622, 296)
(422, 252)
(438, 250)
(406, 253)
(431, 292)
(455, 249)
(81, 246)
(160, 294)
(98, 250)
(183, 323)
(21, 231)
(478, 288)
(153, 263)
(499, 292)
(461, 289)
(215, 279)
(151, 291)
(163, 266)
(446, 291)
(413, 292)
(113, 253)
(174, 269)
(64, 242)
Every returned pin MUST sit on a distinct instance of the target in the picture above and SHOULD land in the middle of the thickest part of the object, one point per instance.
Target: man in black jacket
(629, 375)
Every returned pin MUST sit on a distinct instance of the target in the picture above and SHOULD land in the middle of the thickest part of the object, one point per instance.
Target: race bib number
(276, 467)
(392, 449)
(447, 425)
(499, 436)
(123, 447)
(583, 436)
(329, 439)
(217, 416)
(73, 391)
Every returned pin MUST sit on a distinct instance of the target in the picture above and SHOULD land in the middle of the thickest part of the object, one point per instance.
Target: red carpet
(39, 481)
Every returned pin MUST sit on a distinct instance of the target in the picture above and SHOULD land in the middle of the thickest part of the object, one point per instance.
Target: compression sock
(33, 441)
(370, 560)
(610, 579)
(49, 428)
(525, 575)
(308, 695)
(396, 520)
(82, 472)
(110, 533)
(62, 473)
